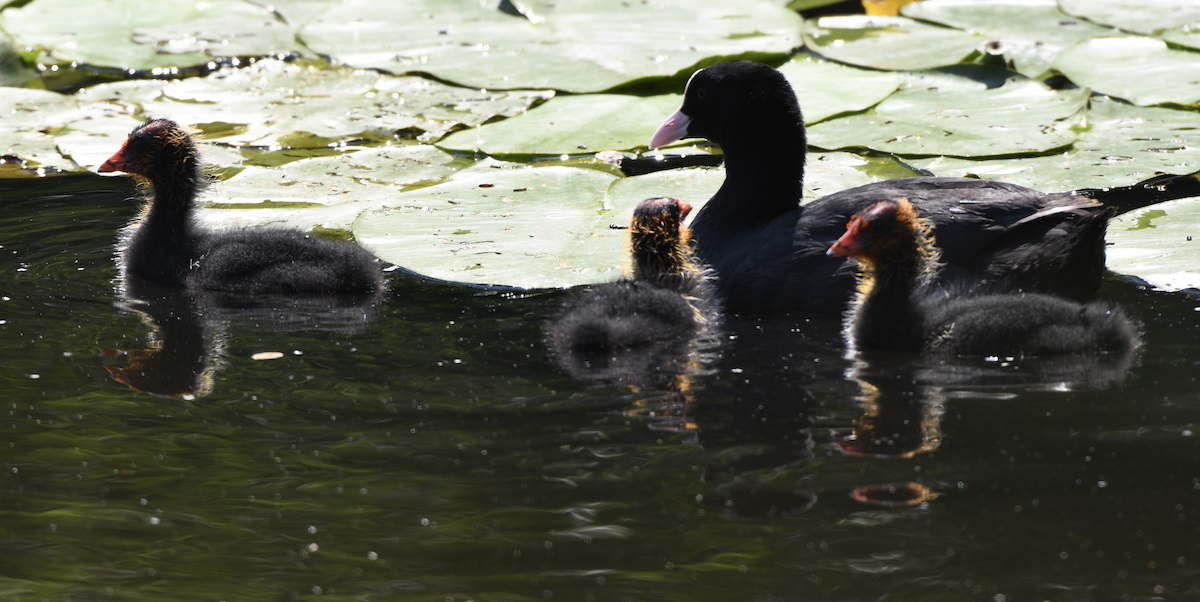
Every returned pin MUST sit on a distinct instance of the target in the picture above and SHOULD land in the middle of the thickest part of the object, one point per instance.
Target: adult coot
(769, 252)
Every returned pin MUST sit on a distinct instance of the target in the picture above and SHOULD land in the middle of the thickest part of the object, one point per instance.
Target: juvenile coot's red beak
(684, 210)
(674, 128)
(117, 162)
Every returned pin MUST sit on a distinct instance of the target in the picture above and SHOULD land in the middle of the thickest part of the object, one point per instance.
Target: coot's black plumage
(165, 246)
(769, 253)
(642, 323)
(898, 306)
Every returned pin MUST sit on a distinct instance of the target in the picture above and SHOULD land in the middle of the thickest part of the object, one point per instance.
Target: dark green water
(436, 452)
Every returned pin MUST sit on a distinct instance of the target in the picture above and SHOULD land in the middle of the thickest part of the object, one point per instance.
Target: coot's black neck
(764, 177)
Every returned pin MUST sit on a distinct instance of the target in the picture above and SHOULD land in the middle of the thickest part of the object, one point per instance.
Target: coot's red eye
(701, 93)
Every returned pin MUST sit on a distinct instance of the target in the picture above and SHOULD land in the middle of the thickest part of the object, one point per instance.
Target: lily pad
(1122, 145)
(13, 71)
(526, 227)
(147, 34)
(944, 112)
(695, 186)
(1139, 16)
(571, 125)
(825, 88)
(1143, 71)
(1159, 245)
(304, 105)
(577, 46)
(890, 43)
(1030, 33)
(26, 141)
(1184, 35)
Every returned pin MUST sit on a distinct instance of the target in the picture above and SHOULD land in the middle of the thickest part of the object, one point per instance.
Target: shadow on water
(426, 445)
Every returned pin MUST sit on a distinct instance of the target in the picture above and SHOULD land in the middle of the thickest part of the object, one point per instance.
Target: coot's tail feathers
(1147, 192)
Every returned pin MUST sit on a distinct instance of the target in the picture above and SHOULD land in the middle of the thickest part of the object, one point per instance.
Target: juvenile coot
(642, 323)
(165, 246)
(899, 306)
(769, 253)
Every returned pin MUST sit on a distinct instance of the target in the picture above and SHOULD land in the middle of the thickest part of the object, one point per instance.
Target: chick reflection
(187, 331)
(652, 323)
(900, 420)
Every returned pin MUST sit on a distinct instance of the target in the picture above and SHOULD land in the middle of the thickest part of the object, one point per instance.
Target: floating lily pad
(577, 46)
(944, 112)
(1184, 35)
(1139, 16)
(1030, 33)
(695, 186)
(891, 43)
(825, 88)
(26, 143)
(1159, 245)
(304, 105)
(147, 34)
(1122, 145)
(295, 13)
(1143, 71)
(13, 71)
(527, 227)
(571, 125)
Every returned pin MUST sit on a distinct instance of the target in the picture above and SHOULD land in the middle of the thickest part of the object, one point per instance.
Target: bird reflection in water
(187, 330)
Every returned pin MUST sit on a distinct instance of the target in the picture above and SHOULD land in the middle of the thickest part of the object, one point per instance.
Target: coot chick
(769, 252)
(640, 324)
(165, 245)
(899, 306)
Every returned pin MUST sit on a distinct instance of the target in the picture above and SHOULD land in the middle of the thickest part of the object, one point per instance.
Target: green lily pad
(147, 34)
(825, 88)
(13, 71)
(890, 43)
(944, 112)
(295, 13)
(397, 166)
(1139, 16)
(695, 186)
(571, 125)
(304, 105)
(1143, 71)
(1122, 145)
(27, 144)
(527, 227)
(1030, 33)
(577, 46)
(1184, 35)
(1159, 245)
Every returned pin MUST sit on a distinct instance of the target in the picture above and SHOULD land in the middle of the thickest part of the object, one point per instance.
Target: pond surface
(426, 447)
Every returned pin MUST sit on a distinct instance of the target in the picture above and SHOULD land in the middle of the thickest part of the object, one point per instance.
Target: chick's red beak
(850, 242)
(117, 162)
(684, 210)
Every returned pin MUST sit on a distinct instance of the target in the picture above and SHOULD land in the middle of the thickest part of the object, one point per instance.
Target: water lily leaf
(1143, 71)
(98, 131)
(1122, 145)
(527, 227)
(302, 105)
(891, 43)
(1139, 16)
(147, 34)
(695, 186)
(944, 112)
(571, 125)
(803, 5)
(1159, 245)
(399, 166)
(13, 71)
(1030, 33)
(295, 13)
(1184, 35)
(26, 141)
(825, 88)
(577, 46)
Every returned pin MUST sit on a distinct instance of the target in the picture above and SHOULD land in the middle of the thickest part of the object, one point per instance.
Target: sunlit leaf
(1143, 71)
(577, 46)
(1184, 35)
(1122, 145)
(1138, 16)
(1028, 32)
(527, 227)
(1159, 244)
(145, 34)
(945, 113)
(26, 144)
(13, 71)
(890, 43)
(825, 88)
(571, 125)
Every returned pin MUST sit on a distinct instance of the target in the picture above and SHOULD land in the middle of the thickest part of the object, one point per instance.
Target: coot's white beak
(674, 128)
